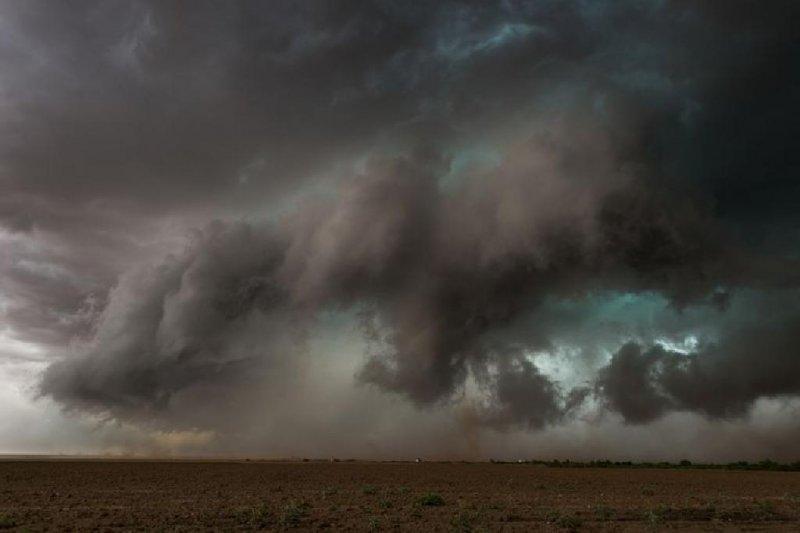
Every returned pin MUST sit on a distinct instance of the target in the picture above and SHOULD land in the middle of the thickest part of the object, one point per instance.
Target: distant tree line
(766, 464)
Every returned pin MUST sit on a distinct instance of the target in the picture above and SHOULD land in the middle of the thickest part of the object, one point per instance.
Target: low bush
(431, 500)
(292, 513)
(6, 522)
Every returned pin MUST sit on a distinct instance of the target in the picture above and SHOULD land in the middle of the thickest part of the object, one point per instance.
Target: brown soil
(147, 496)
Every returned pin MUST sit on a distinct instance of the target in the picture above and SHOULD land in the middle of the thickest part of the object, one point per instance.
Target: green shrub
(6, 522)
(563, 520)
(431, 500)
(766, 509)
(292, 513)
(657, 516)
(603, 512)
(261, 515)
(569, 522)
(464, 521)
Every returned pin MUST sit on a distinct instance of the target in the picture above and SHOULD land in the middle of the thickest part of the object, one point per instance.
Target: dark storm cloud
(171, 103)
(438, 275)
(168, 104)
(721, 380)
(173, 324)
(640, 145)
(148, 110)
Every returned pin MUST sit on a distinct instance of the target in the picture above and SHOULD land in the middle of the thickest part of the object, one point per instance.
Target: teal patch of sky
(468, 161)
(589, 330)
(460, 43)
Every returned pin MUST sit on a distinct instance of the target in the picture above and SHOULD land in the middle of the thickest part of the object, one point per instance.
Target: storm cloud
(720, 380)
(192, 193)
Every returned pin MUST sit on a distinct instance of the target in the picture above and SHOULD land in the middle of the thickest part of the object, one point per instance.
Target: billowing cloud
(720, 380)
(439, 277)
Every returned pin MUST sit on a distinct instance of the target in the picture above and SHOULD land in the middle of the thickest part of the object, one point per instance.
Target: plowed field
(181, 495)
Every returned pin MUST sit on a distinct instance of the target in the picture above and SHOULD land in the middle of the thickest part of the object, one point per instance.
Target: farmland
(37, 495)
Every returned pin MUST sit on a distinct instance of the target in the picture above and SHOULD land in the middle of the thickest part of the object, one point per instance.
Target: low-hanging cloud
(439, 277)
(720, 380)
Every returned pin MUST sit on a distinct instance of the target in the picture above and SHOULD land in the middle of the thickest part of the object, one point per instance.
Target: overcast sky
(454, 229)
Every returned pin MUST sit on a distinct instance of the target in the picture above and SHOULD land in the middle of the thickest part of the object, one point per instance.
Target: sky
(386, 230)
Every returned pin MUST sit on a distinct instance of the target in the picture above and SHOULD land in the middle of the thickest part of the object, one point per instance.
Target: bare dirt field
(249, 495)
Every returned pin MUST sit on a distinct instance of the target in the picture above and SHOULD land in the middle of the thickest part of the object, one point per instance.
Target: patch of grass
(293, 513)
(461, 522)
(759, 513)
(664, 513)
(6, 522)
(385, 503)
(766, 508)
(603, 513)
(373, 523)
(564, 521)
(258, 516)
(657, 515)
(653, 518)
(327, 492)
(431, 499)
(368, 489)
(792, 498)
(261, 515)
(465, 522)
(689, 514)
(569, 522)
(513, 517)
